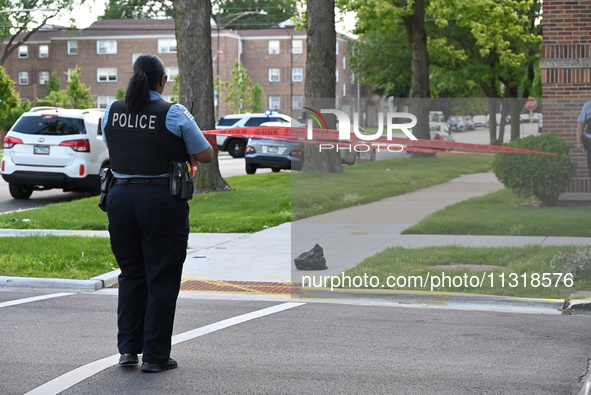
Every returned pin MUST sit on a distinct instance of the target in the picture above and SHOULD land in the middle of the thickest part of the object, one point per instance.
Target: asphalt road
(298, 347)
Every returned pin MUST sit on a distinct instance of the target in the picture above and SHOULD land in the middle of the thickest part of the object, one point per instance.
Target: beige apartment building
(274, 57)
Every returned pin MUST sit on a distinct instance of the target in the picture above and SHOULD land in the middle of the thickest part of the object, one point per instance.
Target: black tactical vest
(140, 143)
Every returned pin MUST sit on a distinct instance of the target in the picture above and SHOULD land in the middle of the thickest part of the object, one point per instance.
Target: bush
(542, 176)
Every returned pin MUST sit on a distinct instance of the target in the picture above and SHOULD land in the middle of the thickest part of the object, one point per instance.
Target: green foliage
(54, 84)
(10, 99)
(57, 99)
(477, 48)
(120, 93)
(242, 95)
(258, 99)
(80, 95)
(137, 9)
(244, 14)
(542, 176)
(13, 114)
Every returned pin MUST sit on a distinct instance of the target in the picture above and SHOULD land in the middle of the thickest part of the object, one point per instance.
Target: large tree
(20, 19)
(386, 16)
(320, 83)
(193, 35)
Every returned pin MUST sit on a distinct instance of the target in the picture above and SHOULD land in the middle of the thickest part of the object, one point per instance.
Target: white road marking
(77, 375)
(34, 299)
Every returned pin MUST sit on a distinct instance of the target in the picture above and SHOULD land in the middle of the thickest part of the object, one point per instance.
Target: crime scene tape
(323, 136)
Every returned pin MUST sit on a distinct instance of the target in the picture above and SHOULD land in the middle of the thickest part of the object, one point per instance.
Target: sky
(86, 14)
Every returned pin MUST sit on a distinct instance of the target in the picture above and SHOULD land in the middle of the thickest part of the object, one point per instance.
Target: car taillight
(77, 145)
(82, 170)
(250, 150)
(437, 137)
(10, 142)
(3, 166)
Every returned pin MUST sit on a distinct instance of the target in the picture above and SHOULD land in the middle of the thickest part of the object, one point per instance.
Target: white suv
(51, 147)
(236, 145)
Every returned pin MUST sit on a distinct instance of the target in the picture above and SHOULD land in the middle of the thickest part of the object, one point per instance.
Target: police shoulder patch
(189, 115)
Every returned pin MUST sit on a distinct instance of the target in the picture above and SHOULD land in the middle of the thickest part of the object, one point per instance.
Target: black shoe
(158, 367)
(128, 359)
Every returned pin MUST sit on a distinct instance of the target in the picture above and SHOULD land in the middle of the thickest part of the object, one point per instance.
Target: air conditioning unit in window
(43, 55)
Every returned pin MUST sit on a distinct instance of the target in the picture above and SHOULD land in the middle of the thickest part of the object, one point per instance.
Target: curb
(56, 284)
(460, 300)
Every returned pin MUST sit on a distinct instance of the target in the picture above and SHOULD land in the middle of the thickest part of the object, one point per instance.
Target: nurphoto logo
(345, 125)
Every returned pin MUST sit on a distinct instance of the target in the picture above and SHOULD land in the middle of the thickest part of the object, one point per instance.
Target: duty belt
(143, 181)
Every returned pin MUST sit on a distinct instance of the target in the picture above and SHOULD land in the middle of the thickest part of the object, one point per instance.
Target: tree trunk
(320, 82)
(193, 35)
(419, 87)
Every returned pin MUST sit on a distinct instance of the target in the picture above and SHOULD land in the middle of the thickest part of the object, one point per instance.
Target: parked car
(274, 154)
(480, 121)
(236, 145)
(51, 147)
(468, 122)
(436, 116)
(456, 124)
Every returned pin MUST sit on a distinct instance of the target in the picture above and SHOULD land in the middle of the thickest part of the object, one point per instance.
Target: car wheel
(20, 191)
(276, 169)
(250, 168)
(236, 148)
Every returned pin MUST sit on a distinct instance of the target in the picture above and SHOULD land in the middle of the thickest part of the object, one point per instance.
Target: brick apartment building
(274, 57)
(566, 76)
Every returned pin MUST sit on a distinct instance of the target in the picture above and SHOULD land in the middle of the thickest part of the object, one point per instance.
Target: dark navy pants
(149, 231)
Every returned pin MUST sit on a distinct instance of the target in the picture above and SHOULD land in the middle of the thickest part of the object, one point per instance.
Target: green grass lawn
(71, 257)
(265, 200)
(521, 269)
(502, 213)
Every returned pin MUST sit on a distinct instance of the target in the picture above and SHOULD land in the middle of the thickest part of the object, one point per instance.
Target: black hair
(147, 72)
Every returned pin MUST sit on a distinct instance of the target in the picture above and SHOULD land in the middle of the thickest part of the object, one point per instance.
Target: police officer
(583, 142)
(148, 227)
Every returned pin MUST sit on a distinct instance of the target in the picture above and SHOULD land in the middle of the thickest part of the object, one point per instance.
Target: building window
(70, 73)
(43, 77)
(43, 51)
(297, 74)
(336, 50)
(104, 101)
(72, 47)
(344, 90)
(23, 78)
(23, 52)
(274, 47)
(297, 102)
(297, 47)
(274, 102)
(274, 75)
(344, 63)
(106, 47)
(167, 45)
(337, 75)
(352, 77)
(106, 74)
(172, 73)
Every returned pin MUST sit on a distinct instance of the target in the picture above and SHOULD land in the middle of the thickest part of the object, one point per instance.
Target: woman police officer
(148, 227)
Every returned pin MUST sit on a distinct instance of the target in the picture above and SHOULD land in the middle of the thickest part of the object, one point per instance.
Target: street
(266, 345)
